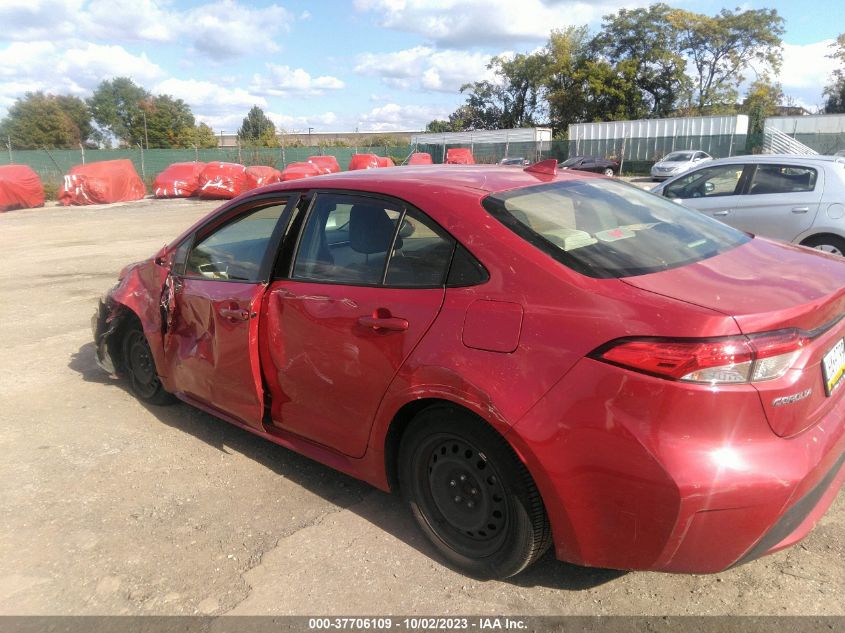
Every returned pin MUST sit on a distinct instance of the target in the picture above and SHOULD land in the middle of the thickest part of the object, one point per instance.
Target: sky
(330, 65)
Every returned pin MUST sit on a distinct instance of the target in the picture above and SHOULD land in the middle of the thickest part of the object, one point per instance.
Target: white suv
(794, 198)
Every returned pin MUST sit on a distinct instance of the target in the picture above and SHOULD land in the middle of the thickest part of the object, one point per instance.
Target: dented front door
(211, 342)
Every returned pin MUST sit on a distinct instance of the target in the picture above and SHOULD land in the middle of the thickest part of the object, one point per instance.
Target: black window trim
(230, 215)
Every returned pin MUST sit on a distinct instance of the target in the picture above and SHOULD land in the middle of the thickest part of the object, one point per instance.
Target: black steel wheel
(140, 367)
(471, 495)
(832, 244)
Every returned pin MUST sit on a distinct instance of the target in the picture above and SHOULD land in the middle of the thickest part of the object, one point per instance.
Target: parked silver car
(794, 198)
(678, 163)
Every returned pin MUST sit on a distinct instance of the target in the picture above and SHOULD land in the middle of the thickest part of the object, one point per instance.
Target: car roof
(484, 178)
(768, 158)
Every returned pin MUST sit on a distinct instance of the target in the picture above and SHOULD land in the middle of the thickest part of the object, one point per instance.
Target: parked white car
(678, 163)
(793, 198)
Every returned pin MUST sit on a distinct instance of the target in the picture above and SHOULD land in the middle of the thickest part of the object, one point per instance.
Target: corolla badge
(795, 397)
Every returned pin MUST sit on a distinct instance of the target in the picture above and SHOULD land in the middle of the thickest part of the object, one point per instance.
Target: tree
(723, 47)
(438, 125)
(648, 40)
(568, 51)
(203, 137)
(835, 91)
(78, 112)
(37, 120)
(762, 100)
(258, 129)
(169, 122)
(116, 108)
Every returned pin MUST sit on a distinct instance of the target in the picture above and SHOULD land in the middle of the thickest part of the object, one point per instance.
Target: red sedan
(531, 358)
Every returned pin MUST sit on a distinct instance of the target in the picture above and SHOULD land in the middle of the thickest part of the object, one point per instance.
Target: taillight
(735, 359)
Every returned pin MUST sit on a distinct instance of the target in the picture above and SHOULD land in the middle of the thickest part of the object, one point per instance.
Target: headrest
(370, 229)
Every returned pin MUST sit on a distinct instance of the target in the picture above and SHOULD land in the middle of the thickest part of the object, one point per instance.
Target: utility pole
(9, 147)
(309, 136)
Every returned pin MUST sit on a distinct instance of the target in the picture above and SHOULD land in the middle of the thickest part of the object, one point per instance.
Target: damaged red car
(531, 358)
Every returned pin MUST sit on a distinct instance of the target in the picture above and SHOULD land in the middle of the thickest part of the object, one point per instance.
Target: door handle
(800, 209)
(234, 314)
(721, 212)
(384, 323)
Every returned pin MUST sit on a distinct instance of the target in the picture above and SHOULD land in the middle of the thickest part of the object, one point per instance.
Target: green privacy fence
(53, 164)
(637, 154)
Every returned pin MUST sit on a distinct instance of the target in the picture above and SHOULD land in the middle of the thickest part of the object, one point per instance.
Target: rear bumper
(642, 473)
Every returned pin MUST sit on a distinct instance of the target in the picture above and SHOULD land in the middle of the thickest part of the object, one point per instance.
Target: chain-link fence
(637, 155)
(52, 165)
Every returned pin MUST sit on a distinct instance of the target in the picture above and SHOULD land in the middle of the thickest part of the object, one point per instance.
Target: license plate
(833, 366)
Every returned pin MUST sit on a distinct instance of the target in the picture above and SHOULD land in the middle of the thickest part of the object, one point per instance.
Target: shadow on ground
(385, 511)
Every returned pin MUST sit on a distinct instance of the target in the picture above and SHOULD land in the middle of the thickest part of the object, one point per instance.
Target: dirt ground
(112, 507)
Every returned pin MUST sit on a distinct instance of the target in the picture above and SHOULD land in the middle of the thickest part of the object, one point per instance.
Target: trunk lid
(768, 286)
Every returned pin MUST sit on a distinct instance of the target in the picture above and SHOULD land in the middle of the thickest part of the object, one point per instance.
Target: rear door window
(782, 179)
(607, 229)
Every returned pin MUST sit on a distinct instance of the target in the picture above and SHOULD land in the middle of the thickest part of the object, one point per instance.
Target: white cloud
(293, 124)
(227, 28)
(76, 70)
(27, 20)
(132, 19)
(467, 23)
(423, 67)
(284, 81)
(393, 117)
(218, 30)
(807, 66)
(210, 101)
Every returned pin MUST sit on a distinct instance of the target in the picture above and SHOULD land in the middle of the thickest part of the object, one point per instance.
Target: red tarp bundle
(260, 175)
(420, 158)
(386, 161)
(101, 183)
(20, 188)
(300, 170)
(363, 161)
(459, 156)
(180, 180)
(326, 164)
(222, 180)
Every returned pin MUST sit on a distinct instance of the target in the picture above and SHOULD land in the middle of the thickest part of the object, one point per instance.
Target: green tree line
(657, 61)
(118, 110)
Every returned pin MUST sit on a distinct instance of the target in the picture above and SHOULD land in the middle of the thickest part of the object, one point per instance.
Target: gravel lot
(111, 507)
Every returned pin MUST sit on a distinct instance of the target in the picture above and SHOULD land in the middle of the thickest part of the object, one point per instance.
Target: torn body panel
(137, 295)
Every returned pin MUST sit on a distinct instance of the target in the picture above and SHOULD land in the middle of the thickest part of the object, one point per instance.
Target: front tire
(609, 172)
(832, 244)
(140, 368)
(470, 494)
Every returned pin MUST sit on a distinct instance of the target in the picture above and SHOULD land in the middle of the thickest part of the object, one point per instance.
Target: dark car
(530, 358)
(592, 164)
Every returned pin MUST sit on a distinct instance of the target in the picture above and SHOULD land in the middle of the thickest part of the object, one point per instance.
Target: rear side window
(782, 179)
(608, 229)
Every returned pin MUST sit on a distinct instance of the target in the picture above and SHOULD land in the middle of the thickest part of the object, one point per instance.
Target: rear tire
(470, 494)
(140, 368)
(832, 244)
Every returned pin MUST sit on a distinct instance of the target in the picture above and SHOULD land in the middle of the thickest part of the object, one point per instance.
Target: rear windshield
(571, 161)
(604, 228)
(678, 157)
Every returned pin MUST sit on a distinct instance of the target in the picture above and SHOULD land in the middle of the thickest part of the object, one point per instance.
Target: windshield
(603, 228)
(571, 161)
(678, 157)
